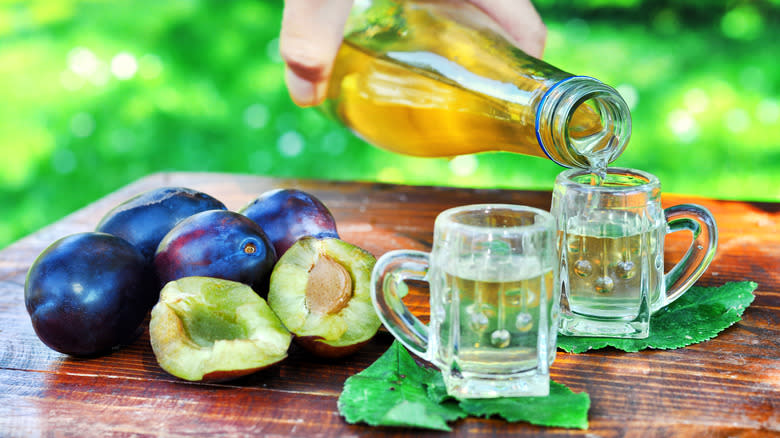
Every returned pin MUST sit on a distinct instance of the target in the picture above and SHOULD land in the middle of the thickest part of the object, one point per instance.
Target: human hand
(312, 31)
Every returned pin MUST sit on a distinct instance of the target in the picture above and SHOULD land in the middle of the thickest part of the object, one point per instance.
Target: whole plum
(89, 292)
(220, 244)
(146, 218)
(286, 215)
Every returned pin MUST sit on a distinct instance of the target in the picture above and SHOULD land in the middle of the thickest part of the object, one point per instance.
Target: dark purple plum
(89, 292)
(220, 244)
(145, 219)
(286, 215)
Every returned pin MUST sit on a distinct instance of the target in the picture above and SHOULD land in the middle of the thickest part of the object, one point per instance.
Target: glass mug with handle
(611, 231)
(494, 299)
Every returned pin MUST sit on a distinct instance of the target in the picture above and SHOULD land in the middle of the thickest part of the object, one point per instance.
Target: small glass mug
(494, 299)
(611, 249)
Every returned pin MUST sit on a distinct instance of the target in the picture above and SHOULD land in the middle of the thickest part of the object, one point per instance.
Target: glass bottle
(430, 78)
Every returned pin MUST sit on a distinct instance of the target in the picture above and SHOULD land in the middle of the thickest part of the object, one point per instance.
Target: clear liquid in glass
(492, 318)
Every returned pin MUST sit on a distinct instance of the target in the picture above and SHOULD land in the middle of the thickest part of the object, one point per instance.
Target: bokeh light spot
(63, 161)
(124, 66)
(696, 100)
(389, 175)
(82, 61)
(737, 120)
(290, 144)
(82, 125)
(743, 22)
(122, 140)
(101, 75)
(629, 94)
(463, 165)
(768, 111)
(683, 125)
(256, 116)
(334, 143)
(272, 50)
(753, 78)
(555, 40)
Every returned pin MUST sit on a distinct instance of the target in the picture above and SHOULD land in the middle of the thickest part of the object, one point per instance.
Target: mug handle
(701, 223)
(388, 287)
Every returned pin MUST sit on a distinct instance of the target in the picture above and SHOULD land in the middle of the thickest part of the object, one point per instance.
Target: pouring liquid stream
(598, 163)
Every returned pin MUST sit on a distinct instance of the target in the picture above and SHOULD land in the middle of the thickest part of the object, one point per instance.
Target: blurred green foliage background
(96, 94)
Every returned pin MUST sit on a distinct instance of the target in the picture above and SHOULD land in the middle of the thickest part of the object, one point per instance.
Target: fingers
(519, 19)
(312, 32)
(310, 38)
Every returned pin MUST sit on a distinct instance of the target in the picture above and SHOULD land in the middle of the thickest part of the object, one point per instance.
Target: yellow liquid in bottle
(443, 90)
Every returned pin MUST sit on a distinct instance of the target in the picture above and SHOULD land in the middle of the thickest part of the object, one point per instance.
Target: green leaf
(395, 391)
(562, 408)
(392, 392)
(700, 314)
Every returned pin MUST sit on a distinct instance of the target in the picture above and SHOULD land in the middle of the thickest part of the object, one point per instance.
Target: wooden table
(728, 386)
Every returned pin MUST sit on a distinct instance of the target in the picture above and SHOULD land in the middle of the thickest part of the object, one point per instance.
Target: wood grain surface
(728, 386)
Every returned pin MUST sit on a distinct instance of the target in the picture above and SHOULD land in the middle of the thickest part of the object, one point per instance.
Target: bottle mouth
(590, 124)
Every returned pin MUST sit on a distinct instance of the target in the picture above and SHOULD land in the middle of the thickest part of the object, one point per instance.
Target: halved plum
(320, 290)
(209, 329)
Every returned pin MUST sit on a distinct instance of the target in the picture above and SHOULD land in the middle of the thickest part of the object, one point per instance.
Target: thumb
(309, 40)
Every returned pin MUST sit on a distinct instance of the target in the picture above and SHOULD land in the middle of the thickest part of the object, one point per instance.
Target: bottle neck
(582, 122)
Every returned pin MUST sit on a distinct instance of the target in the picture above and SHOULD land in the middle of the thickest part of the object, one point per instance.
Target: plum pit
(329, 287)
